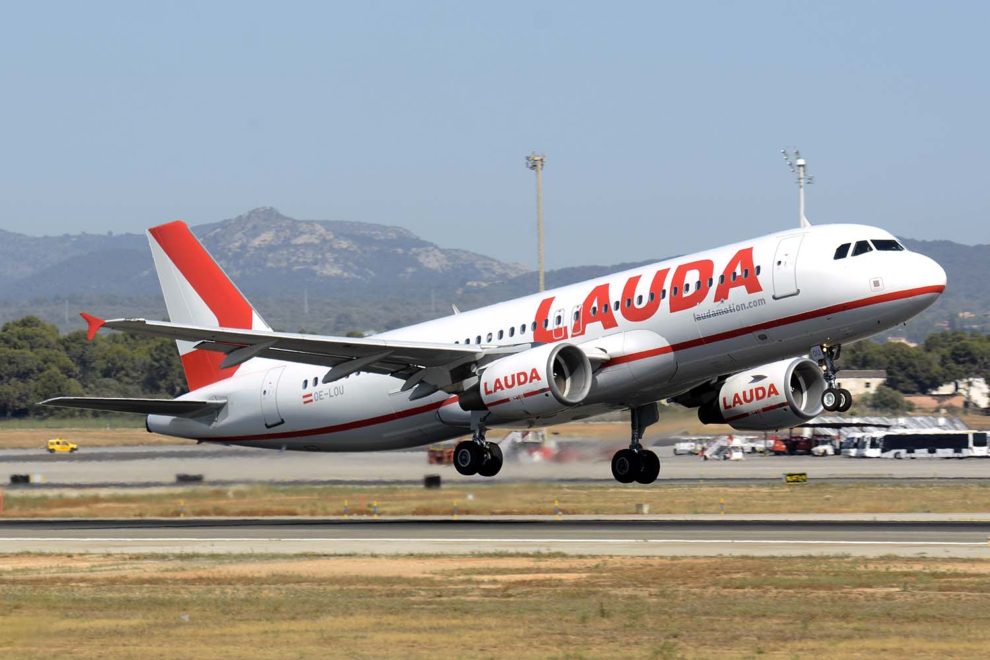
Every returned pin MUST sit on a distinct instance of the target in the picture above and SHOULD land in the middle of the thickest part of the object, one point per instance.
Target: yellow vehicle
(61, 446)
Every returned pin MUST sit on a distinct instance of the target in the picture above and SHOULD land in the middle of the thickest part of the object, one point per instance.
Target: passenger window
(477, 340)
(757, 271)
(512, 331)
(663, 293)
(745, 273)
(577, 315)
(628, 302)
(594, 311)
(557, 321)
(887, 245)
(842, 251)
(616, 306)
(721, 279)
(733, 276)
(639, 300)
(861, 247)
(710, 282)
(687, 287)
(604, 308)
(489, 339)
(314, 381)
(533, 324)
(500, 334)
(467, 341)
(673, 291)
(522, 328)
(305, 383)
(652, 296)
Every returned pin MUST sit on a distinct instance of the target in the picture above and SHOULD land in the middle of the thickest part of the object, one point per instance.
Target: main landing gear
(635, 463)
(834, 399)
(477, 455)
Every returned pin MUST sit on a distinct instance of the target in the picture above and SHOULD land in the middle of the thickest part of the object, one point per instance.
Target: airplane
(747, 333)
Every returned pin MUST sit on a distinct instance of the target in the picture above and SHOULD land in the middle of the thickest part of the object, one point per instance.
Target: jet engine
(538, 382)
(774, 396)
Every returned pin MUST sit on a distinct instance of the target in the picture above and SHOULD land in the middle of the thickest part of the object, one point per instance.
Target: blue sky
(661, 122)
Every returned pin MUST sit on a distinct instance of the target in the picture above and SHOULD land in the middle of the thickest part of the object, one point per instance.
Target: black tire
(846, 400)
(493, 460)
(649, 467)
(626, 466)
(830, 399)
(467, 457)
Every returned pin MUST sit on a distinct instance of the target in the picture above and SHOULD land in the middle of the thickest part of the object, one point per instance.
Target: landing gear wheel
(845, 400)
(493, 460)
(830, 399)
(468, 457)
(626, 466)
(650, 467)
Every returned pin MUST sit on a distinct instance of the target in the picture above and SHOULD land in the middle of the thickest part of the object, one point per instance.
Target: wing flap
(170, 407)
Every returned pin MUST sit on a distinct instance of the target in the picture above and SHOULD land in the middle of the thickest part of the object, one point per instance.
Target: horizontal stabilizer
(170, 407)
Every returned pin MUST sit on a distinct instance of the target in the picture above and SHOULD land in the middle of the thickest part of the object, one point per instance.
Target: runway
(159, 465)
(923, 535)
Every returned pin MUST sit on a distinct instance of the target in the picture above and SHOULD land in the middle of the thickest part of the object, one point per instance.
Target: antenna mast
(799, 168)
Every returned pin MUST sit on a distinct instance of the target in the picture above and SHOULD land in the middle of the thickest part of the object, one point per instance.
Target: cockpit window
(861, 247)
(887, 245)
(841, 251)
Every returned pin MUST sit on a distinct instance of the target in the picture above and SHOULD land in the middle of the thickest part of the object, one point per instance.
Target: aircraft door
(785, 267)
(269, 397)
(577, 325)
(559, 325)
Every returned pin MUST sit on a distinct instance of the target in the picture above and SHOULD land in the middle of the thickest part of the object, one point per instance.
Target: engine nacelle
(538, 382)
(774, 396)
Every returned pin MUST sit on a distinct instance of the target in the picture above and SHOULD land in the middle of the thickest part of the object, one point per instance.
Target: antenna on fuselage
(799, 168)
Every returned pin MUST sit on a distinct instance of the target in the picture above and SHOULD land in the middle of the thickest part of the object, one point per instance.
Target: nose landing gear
(834, 399)
(635, 463)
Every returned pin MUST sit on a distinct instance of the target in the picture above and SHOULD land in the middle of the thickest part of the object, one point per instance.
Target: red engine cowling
(539, 382)
(774, 396)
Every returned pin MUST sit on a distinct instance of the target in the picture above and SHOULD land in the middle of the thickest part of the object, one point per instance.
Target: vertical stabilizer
(198, 292)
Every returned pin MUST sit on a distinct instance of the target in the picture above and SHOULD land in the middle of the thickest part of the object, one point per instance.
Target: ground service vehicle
(923, 444)
(58, 445)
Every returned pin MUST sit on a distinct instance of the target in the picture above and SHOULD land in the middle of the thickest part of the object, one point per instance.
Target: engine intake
(774, 396)
(539, 382)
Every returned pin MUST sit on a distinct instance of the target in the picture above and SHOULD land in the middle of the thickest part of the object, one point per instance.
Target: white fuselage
(665, 328)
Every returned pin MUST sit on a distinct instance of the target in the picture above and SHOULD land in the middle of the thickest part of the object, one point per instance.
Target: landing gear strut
(834, 399)
(635, 463)
(477, 455)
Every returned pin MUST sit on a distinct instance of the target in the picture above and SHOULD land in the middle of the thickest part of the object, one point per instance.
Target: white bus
(924, 443)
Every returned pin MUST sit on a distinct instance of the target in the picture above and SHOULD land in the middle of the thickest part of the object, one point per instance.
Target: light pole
(535, 162)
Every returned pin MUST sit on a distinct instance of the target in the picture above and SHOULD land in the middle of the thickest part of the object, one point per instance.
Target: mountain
(264, 251)
(333, 277)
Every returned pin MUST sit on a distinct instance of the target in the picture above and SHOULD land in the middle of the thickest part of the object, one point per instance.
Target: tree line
(37, 363)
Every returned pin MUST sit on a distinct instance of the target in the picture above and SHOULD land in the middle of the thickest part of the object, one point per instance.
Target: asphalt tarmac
(922, 535)
(158, 465)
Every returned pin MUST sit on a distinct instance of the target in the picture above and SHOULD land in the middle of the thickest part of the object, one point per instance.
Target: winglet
(94, 324)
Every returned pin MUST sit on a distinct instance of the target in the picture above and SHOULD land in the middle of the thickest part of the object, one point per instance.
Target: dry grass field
(87, 606)
(507, 499)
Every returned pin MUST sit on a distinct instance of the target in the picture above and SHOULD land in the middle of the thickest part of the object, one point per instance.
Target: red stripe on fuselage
(337, 428)
(856, 304)
(776, 323)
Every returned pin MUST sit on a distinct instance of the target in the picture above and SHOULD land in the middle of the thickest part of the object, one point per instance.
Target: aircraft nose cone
(930, 273)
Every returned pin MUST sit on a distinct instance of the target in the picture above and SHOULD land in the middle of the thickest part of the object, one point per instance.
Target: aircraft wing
(435, 365)
(171, 407)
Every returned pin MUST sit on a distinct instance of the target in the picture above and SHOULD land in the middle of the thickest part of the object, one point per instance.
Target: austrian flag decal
(308, 397)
